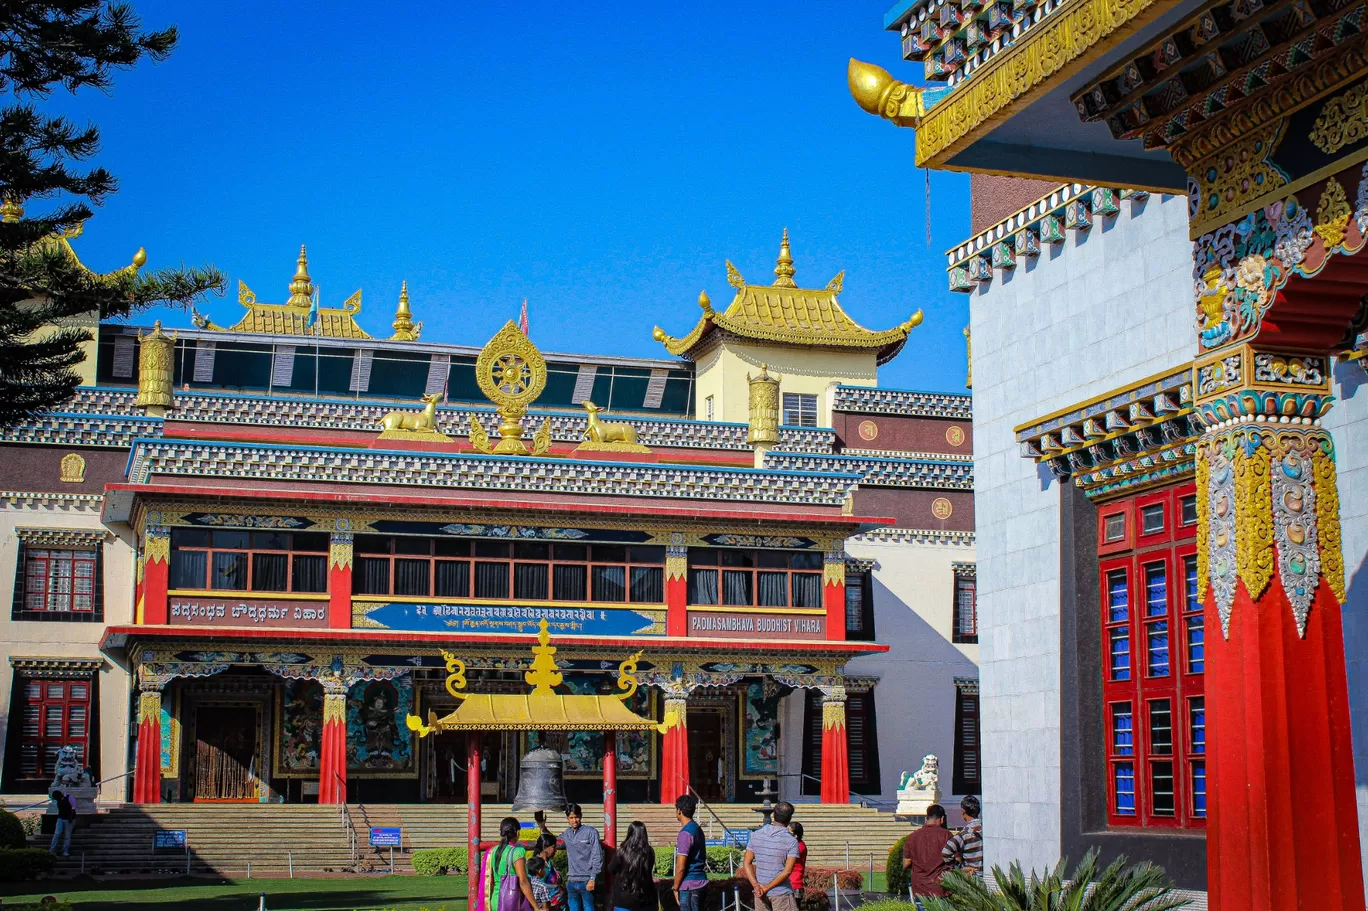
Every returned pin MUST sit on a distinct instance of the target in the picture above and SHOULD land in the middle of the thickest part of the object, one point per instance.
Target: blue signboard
(386, 838)
(516, 618)
(168, 838)
(735, 838)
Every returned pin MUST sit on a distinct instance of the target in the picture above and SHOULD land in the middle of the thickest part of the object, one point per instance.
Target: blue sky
(600, 159)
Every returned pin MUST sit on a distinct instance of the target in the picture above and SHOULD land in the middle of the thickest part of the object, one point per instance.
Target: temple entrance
(447, 767)
(708, 753)
(225, 753)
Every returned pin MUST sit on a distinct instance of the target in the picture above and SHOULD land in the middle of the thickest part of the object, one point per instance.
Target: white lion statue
(919, 789)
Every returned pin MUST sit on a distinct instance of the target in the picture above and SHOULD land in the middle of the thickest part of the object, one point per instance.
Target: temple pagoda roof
(11, 211)
(789, 315)
(300, 314)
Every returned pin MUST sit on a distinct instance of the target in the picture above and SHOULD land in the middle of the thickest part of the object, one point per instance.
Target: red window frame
(39, 565)
(53, 713)
(1148, 673)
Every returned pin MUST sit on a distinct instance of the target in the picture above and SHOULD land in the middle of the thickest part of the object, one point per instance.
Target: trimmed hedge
(721, 861)
(440, 861)
(897, 877)
(12, 833)
(23, 863)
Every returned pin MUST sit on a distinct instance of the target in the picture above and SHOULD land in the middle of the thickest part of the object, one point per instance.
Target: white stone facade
(1104, 308)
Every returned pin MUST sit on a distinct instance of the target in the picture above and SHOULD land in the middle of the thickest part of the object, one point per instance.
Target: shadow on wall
(915, 697)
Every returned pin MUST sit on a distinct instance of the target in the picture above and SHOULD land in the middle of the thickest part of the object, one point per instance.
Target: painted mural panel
(299, 729)
(379, 744)
(760, 731)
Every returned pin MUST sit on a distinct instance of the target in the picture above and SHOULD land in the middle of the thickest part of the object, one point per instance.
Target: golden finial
(783, 268)
(544, 675)
(11, 210)
(405, 329)
(301, 289)
(705, 302)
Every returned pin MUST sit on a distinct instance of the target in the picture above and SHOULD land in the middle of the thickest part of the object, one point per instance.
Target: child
(547, 886)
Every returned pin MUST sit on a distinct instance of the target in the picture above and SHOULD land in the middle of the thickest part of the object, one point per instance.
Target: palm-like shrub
(1139, 887)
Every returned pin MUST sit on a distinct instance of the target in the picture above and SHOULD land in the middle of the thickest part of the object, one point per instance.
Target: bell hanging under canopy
(541, 782)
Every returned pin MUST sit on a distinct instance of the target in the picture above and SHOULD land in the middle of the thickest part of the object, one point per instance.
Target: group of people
(514, 878)
(932, 850)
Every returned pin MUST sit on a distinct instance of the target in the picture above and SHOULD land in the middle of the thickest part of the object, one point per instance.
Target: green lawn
(354, 893)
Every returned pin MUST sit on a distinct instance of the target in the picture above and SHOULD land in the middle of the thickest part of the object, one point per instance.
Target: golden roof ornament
(608, 436)
(301, 287)
(785, 314)
(419, 427)
(783, 267)
(11, 210)
(156, 365)
(405, 329)
(511, 373)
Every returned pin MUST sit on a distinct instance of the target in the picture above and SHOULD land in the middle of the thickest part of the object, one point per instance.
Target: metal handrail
(727, 832)
(340, 798)
(46, 800)
(864, 798)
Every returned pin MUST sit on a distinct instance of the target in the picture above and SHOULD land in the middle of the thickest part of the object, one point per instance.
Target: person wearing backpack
(507, 887)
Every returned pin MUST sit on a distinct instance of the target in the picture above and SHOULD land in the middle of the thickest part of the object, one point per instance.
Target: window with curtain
(965, 627)
(859, 603)
(53, 713)
(755, 578)
(1152, 650)
(58, 580)
(238, 560)
(800, 410)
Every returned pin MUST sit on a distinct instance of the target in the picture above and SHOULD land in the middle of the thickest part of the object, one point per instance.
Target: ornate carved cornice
(55, 668)
(867, 400)
(61, 537)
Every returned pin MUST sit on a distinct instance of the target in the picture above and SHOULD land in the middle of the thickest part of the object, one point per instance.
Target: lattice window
(800, 410)
(965, 628)
(58, 583)
(53, 713)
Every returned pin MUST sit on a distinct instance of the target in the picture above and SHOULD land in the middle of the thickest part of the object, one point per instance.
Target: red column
(156, 573)
(340, 581)
(472, 817)
(835, 750)
(147, 762)
(833, 596)
(332, 759)
(676, 590)
(610, 788)
(1277, 695)
(674, 753)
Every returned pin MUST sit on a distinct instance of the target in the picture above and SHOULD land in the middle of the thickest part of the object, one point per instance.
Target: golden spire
(405, 329)
(301, 289)
(544, 676)
(704, 301)
(783, 268)
(11, 210)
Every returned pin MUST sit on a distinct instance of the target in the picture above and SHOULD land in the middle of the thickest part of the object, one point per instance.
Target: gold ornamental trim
(833, 714)
(149, 707)
(1328, 522)
(1254, 520)
(157, 544)
(340, 550)
(334, 708)
(1343, 121)
(1203, 523)
(1057, 48)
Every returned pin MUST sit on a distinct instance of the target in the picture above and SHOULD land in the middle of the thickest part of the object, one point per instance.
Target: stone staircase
(224, 838)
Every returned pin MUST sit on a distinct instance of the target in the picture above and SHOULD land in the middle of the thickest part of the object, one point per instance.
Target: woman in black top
(632, 871)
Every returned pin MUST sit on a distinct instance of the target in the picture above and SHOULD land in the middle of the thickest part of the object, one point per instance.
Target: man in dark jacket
(923, 855)
(66, 819)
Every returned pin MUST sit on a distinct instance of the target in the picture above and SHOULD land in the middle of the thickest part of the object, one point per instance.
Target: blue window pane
(1123, 729)
(1196, 645)
(1197, 723)
(1156, 591)
(1199, 789)
(1120, 653)
(1190, 583)
(1157, 648)
(1123, 778)
(1118, 598)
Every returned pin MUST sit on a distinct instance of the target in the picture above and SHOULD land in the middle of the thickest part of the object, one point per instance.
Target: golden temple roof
(11, 211)
(541, 712)
(299, 315)
(784, 313)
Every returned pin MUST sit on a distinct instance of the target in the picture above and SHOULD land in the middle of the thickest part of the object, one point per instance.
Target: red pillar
(835, 750)
(833, 596)
(674, 759)
(156, 573)
(332, 759)
(1277, 695)
(147, 762)
(676, 590)
(472, 817)
(610, 788)
(340, 581)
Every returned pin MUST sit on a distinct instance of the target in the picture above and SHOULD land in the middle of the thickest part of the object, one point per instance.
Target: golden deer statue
(607, 431)
(403, 423)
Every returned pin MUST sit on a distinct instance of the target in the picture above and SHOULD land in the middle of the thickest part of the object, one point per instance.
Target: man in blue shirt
(769, 860)
(584, 857)
(691, 856)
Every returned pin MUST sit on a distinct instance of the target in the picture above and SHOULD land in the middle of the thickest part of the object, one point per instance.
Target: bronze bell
(541, 783)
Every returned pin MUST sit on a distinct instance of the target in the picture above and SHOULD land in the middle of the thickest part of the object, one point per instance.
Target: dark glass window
(258, 561)
(755, 578)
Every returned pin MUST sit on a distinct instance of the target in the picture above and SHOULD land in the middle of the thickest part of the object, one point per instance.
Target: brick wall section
(40, 468)
(991, 198)
(902, 434)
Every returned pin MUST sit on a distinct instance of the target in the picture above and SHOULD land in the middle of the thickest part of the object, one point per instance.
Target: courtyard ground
(352, 893)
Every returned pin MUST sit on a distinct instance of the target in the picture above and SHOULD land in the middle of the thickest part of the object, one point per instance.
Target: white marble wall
(1100, 310)
(1348, 423)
